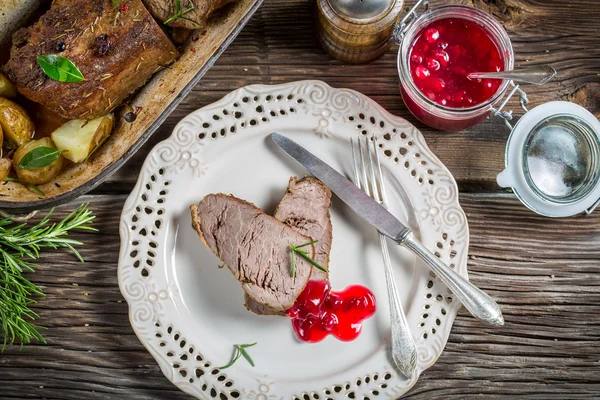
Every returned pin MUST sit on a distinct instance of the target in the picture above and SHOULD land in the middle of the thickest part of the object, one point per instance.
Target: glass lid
(561, 158)
(553, 160)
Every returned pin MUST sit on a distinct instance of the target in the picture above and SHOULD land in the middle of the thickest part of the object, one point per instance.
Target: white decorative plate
(189, 313)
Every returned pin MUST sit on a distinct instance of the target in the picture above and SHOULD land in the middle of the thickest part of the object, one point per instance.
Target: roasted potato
(17, 126)
(77, 138)
(5, 165)
(7, 88)
(41, 175)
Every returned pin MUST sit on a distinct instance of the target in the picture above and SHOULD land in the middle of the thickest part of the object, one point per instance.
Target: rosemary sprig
(115, 3)
(304, 254)
(240, 350)
(17, 244)
(179, 14)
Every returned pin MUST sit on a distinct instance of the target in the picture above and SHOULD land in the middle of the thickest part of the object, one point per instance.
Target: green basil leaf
(60, 68)
(39, 157)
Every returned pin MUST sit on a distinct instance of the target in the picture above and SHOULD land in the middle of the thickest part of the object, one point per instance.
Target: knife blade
(370, 210)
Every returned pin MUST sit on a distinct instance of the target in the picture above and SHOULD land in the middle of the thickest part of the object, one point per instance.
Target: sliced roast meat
(117, 49)
(305, 207)
(193, 14)
(255, 247)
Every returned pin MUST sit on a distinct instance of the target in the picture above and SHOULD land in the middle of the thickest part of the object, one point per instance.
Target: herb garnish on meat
(60, 68)
(304, 254)
(179, 14)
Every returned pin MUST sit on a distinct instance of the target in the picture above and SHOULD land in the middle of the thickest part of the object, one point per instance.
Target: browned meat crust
(116, 51)
(255, 247)
(304, 207)
(194, 19)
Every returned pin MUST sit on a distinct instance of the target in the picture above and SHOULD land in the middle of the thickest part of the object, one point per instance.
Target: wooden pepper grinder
(357, 31)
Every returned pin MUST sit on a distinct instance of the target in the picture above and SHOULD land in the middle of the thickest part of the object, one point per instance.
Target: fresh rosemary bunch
(19, 246)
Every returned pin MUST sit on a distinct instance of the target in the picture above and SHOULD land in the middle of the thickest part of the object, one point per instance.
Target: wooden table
(545, 273)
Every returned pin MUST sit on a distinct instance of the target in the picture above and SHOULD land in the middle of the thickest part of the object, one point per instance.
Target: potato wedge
(17, 126)
(77, 138)
(37, 176)
(7, 88)
(5, 166)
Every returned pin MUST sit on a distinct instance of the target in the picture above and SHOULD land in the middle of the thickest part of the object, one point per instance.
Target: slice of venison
(304, 207)
(255, 247)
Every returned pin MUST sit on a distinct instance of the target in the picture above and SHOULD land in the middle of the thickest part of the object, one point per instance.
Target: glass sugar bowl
(437, 50)
(553, 159)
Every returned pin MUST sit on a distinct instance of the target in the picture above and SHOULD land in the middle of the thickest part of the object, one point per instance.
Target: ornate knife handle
(479, 304)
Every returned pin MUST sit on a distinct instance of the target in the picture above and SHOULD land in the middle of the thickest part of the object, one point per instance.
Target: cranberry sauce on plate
(319, 312)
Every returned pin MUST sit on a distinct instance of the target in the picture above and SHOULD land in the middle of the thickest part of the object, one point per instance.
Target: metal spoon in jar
(537, 75)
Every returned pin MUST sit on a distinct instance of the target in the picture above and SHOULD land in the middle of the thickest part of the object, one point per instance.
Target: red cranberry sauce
(319, 312)
(442, 56)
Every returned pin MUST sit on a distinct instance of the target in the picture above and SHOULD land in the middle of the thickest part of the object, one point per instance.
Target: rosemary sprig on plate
(179, 13)
(19, 245)
(240, 351)
(304, 254)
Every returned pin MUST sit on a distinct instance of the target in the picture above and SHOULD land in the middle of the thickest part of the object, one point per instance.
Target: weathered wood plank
(279, 46)
(545, 274)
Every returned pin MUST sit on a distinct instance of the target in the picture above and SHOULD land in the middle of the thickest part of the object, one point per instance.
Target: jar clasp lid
(401, 27)
(507, 116)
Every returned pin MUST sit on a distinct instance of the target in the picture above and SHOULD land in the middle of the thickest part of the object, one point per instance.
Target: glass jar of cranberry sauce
(438, 49)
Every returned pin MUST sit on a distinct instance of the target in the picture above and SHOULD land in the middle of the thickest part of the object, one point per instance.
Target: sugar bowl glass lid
(553, 160)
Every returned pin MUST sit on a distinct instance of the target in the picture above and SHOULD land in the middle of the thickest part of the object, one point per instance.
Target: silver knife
(479, 304)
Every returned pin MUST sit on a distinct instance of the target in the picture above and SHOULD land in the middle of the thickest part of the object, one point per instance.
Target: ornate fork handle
(404, 351)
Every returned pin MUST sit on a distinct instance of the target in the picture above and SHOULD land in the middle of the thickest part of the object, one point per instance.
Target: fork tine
(372, 171)
(356, 174)
(363, 168)
(380, 179)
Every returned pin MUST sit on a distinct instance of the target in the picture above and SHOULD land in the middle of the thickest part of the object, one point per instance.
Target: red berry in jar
(442, 57)
(442, 45)
(431, 35)
(421, 72)
(432, 64)
(451, 48)
(416, 58)
(438, 84)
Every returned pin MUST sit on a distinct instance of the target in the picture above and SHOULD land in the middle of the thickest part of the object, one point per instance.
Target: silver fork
(404, 350)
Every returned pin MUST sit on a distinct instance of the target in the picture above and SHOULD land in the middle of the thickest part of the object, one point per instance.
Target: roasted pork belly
(116, 48)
